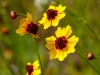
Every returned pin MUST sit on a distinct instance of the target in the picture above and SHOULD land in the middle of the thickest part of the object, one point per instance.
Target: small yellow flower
(32, 69)
(27, 26)
(52, 16)
(62, 45)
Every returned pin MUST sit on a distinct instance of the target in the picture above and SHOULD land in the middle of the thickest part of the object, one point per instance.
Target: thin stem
(21, 15)
(38, 56)
(88, 63)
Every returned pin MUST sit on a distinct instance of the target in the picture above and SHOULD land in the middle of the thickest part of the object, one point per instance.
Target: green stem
(21, 15)
(88, 63)
(38, 56)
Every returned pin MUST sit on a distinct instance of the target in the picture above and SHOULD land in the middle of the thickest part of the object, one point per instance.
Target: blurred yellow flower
(32, 69)
(52, 16)
(62, 45)
(27, 26)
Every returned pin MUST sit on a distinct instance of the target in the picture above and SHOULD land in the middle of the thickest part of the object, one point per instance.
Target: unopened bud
(90, 56)
(13, 14)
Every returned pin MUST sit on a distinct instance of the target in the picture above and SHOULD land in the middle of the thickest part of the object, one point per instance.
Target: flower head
(27, 26)
(52, 16)
(32, 69)
(62, 45)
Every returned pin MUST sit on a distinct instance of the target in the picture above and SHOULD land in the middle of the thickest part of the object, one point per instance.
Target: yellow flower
(62, 45)
(32, 69)
(27, 26)
(52, 16)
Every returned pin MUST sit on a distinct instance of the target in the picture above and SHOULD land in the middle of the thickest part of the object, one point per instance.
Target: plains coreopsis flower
(27, 26)
(32, 69)
(52, 16)
(62, 45)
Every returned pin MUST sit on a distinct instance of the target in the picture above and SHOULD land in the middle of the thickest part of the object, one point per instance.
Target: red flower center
(51, 14)
(61, 42)
(32, 28)
(29, 69)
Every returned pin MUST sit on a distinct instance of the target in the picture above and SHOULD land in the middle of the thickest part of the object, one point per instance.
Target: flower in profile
(62, 45)
(27, 26)
(52, 16)
(32, 69)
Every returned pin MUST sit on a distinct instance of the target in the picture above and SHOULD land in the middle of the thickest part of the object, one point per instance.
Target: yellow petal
(58, 32)
(22, 20)
(50, 41)
(47, 24)
(64, 32)
(68, 31)
(28, 63)
(49, 46)
(21, 31)
(61, 55)
(36, 64)
(55, 22)
(60, 8)
(52, 7)
(44, 19)
(36, 72)
(52, 54)
(70, 50)
(51, 38)
(27, 73)
(61, 15)
(24, 25)
(73, 40)
(29, 16)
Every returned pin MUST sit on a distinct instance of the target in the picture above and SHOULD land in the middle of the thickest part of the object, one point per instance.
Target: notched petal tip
(29, 16)
(51, 7)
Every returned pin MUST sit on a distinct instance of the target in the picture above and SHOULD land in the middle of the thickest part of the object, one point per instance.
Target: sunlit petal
(52, 54)
(68, 31)
(58, 32)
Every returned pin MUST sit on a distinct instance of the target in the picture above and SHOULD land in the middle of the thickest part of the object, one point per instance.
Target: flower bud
(90, 56)
(13, 14)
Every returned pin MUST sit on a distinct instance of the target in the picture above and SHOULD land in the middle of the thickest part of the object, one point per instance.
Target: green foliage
(16, 51)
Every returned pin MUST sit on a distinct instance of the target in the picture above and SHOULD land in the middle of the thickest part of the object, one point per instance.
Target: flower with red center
(52, 16)
(27, 26)
(32, 69)
(62, 45)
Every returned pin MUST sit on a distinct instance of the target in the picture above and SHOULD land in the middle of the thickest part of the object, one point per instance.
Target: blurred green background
(16, 51)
